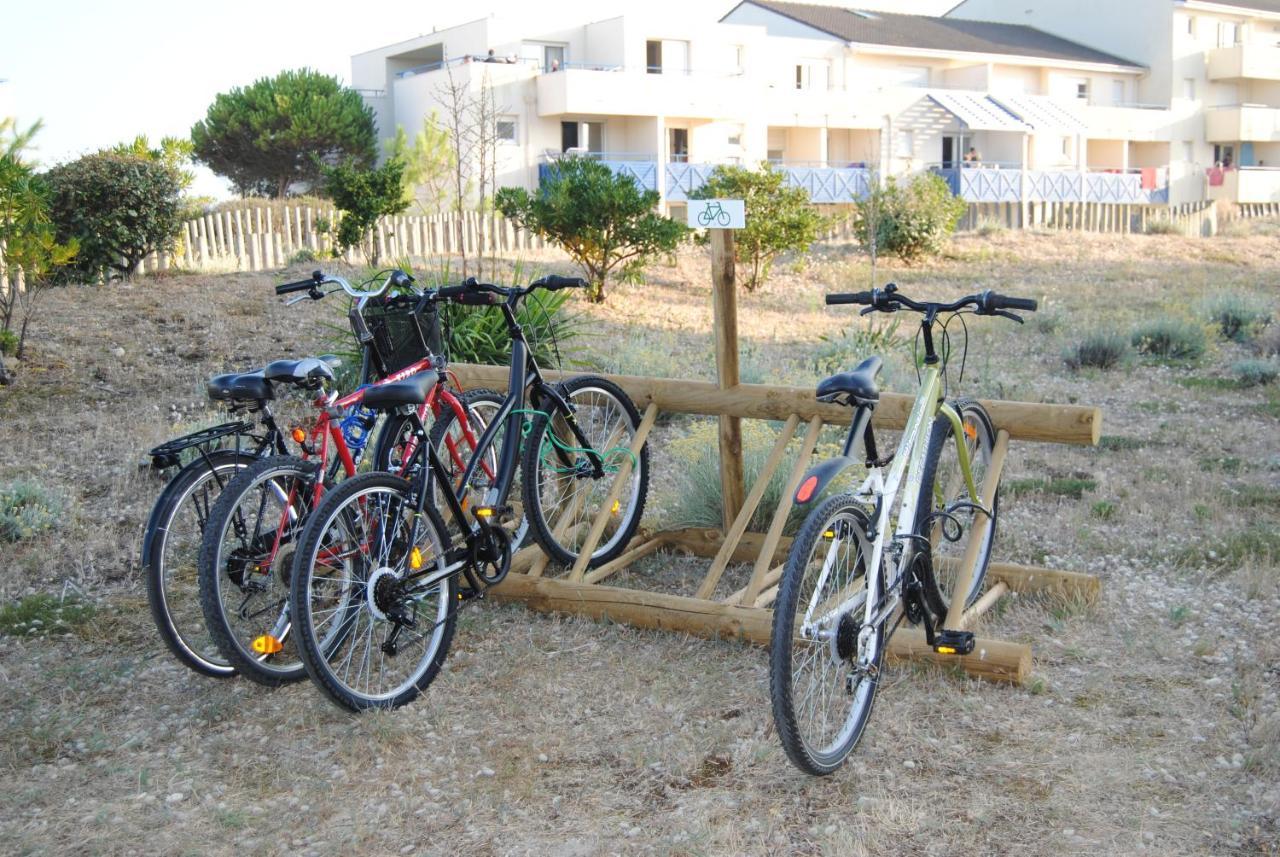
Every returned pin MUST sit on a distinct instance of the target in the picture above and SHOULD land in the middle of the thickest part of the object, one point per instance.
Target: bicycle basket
(400, 337)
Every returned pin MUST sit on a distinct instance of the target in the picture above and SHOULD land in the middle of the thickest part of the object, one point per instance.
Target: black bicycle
(375, 587)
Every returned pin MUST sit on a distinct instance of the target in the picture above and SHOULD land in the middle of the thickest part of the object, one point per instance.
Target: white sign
(717, 214)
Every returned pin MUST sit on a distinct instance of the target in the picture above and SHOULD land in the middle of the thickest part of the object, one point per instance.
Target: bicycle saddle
(307, 372)
(239, 386)
(411, 391)
(859, 385)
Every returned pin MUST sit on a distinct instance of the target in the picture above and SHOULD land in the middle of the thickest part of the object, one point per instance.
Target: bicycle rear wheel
(171, 557)
(821, 685)
(939, 519)
(371, 634)
(562, 497)
(245, 561)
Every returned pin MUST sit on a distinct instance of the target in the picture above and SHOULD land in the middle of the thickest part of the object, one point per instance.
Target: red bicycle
(247, 550)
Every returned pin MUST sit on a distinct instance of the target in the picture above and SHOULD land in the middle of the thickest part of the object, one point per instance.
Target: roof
(1272, 6)
(1041, 112)
(939, 34)
(977, 111)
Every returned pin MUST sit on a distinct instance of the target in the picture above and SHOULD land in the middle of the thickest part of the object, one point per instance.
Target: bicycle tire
(939, 455)
(599, 429)
(166, 563)
(359, 593)
(845, 519)
(263, 553)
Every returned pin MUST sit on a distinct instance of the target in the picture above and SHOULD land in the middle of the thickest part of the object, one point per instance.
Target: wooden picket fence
(260, 238)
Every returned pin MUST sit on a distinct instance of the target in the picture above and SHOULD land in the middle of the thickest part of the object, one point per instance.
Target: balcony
(1243, 123)
(824, 184)
(1247, 184)
(617, 91)
(1256, 62)
(1000, 184)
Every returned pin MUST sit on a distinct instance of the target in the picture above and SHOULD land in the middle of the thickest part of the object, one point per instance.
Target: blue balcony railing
(983, 184)
(824, 184)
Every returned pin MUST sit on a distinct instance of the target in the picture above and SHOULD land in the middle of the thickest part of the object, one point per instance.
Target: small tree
(363, 196)
(428, 164)
(912, 220)
(601, 219)
(276, 132)
(779, 218)
(118, 207)
(174, 152)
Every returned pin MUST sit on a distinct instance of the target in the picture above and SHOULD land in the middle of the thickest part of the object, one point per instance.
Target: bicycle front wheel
(245, 562)
(943, 515)
(821, 684)
(171, 558)
(374, 602)
(562, 493)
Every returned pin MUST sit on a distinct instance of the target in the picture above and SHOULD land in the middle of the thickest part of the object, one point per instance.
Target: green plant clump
(911, 220)
(1101, 350)
(1073, 487)
(1237, 316)
(1169, 338)
(1256, 373)
(26, 509)
(43, 614)
(1163, 226)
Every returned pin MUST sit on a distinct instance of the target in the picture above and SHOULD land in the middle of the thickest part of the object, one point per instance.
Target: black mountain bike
(375, 580)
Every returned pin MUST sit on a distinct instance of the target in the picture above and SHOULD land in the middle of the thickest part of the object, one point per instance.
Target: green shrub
(479, 334)
(910, 220)
(841, 352)
(118, 207)
(8, 343)
(1237, 317)
(1104, 510)
(43, 614)
(988, 226)
(1100, 350)
(1169, 338)
(26, 509)
(1066, 486)
(363, 195)
(1256, 373)
(1163, 226)
(781, 217)
(305, 256)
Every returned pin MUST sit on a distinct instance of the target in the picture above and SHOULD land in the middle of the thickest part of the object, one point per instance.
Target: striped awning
(978, 112)
(1042, 113)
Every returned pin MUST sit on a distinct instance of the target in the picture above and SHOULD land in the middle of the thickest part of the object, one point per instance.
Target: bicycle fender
(817, 479)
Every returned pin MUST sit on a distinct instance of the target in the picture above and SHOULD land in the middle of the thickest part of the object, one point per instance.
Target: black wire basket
(402, 337)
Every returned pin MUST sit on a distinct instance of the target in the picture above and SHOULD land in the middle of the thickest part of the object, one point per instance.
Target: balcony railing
(1248, 61)
(983, 184)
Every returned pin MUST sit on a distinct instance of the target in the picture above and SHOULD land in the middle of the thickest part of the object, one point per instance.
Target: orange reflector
(299, 435)
(829, 534)
(267, 645)
(945, 650)
(806, 490)
(484, 512)
(415, 559)
(617, 504)
(971, 431)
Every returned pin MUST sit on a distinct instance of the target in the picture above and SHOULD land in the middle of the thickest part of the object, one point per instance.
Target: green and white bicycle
(898, 546)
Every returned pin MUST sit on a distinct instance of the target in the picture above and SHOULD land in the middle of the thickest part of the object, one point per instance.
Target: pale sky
(100, 72)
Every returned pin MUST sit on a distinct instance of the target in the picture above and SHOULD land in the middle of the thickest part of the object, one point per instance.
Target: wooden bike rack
(747, 612)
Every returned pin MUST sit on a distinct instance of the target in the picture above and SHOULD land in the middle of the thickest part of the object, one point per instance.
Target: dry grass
(1153, 725)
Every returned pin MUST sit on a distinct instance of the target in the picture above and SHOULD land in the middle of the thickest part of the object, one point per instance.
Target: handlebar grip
(555, 283)
(467, 296)
(1006, 302)
(864, 298)
(302, 286)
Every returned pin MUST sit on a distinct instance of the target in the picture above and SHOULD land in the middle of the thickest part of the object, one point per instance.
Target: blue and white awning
(1042, 113)
(978, 112)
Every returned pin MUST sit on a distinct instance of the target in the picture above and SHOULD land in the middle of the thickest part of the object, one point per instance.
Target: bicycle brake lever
(867, 311)
(297, 299)
(1016, 318)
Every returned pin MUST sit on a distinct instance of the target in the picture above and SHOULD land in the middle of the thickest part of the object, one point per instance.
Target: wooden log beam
(978, 531)
(706, 544)
(983, 604)
(1074, 424)
(639, 552)
(994, 660)
(1028, 579)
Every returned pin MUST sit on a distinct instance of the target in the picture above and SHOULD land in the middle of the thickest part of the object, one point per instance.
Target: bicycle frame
(881, 492)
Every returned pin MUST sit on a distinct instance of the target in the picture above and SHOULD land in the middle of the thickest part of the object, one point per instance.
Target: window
(1225, 155)
(1189, 88)
(653, 56)
(1188, 151)
(735, 137)
(1117, 92)
(906, 144)
(774, 155)
(678, 140)
(811, 74)
(507, 131)
(738, 56)
(1082, 90)
(802, 77)
(1228, 34)
(546, 57)
(595, 137)
(1191, 26)
(1066, 147)
(568, 136)
(909, 75)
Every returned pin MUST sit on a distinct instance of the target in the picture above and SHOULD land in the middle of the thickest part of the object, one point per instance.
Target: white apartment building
(831, 95)
(1212, 81)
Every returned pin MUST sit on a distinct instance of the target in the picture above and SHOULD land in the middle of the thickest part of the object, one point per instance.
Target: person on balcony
(972, 158)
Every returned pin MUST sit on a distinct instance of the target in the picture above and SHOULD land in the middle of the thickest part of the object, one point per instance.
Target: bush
(1237, 317)
(780, 218)
(479, 334)
(8, 343)
(911, 220)
(364, 195)
(118, 207)
(274, 134)
(601, 219)
(26, 509)
(1163, 227)
(988, 226)
(1169, 338)
(1101, 350)
(841, 352)
(1256, 373)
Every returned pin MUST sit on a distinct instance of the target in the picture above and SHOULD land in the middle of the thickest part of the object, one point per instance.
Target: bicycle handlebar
(398, 279)
(889, 300)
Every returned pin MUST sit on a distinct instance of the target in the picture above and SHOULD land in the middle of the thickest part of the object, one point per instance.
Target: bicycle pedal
(495, 514)
(950, 642)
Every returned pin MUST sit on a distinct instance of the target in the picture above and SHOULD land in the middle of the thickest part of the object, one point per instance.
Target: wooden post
(725, 300)
(977, 532)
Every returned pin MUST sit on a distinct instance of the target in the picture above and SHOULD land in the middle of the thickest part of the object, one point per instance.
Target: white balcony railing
(1248, 61)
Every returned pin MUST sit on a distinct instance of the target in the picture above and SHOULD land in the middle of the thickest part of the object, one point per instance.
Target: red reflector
(806, 489)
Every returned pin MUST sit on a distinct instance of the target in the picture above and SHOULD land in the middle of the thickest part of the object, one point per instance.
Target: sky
(100, 72)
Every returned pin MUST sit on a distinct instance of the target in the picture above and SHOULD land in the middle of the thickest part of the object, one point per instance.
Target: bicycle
(250, 535)
(375, 582)
(714, 213)
(854, 570)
